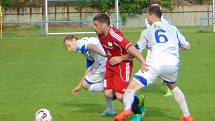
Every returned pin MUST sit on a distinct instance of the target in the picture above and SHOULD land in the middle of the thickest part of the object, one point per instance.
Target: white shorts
(168, 73)
(93, 78)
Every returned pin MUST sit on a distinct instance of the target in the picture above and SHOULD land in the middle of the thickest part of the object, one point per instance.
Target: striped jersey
(94, 60)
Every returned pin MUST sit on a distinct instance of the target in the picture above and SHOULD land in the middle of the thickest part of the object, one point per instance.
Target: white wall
(181, 15)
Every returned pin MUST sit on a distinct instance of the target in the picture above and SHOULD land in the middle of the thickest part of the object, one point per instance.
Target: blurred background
(77, 15)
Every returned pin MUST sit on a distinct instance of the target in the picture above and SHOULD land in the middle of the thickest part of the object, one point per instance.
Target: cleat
(137, 117)
(107, 113)
(139, 111)
(188, 118)
(168, 93)
(123, 115)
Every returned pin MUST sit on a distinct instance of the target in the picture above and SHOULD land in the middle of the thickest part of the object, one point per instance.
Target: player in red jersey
(116, 44)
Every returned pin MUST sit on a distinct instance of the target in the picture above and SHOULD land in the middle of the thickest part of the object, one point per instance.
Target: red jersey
(115, 43)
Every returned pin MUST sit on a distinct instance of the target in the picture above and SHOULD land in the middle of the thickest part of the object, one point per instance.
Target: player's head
(70, 42)
(154, 14)
(156, 3)
(101, 23)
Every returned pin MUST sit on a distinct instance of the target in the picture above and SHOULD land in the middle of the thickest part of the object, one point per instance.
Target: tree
(8, 2)
(202, 1)
(129, 8)
(80, 5)
(103, 5)
(132, 8)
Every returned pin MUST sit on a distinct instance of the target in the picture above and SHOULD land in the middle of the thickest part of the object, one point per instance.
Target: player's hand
(144, 67)
(115, 60)
(105, 55)
(76, 90)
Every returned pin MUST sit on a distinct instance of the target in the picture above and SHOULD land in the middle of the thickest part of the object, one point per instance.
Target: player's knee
(171, 86)
(109, 93)
(119, 96)
(139, 81)
(129, 91)
(85, 86)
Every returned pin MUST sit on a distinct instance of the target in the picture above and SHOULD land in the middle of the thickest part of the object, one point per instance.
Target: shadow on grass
(85, 107)
(159, 112)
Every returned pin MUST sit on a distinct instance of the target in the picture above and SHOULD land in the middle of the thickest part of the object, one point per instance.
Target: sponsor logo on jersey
(105, 46)
(110, 44)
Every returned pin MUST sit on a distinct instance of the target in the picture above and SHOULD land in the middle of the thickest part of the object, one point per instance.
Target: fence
(180, 16)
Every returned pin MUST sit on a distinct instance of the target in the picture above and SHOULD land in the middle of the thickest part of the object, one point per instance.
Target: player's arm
(123, 42)
(187, 47)
(132, 50)
(183, 43)
(95, 49)
(77, 88)
(140, 45)
(118, 59)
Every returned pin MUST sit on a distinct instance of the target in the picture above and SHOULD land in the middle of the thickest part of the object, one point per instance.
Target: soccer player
(148, 24)
(163, 41)
(115, 44)
(158, 4)
(93, 79)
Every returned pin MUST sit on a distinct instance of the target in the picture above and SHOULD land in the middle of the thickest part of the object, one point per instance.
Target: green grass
(37, 72)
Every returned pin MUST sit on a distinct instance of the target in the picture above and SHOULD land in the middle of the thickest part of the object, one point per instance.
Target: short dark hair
(69, 37)
(155, 10)
(103, 18)
(155, 2)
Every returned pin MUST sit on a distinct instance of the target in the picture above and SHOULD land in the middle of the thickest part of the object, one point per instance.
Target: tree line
(126, 7)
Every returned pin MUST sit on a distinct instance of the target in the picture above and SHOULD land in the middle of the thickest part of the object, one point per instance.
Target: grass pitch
(37, 72)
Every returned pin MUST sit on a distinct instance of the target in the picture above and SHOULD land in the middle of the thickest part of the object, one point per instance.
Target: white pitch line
(38, 63)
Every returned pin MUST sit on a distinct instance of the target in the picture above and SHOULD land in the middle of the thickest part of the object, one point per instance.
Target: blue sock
(135, 106)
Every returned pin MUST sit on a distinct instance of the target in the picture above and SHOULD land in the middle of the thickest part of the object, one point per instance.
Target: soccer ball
(43, 115)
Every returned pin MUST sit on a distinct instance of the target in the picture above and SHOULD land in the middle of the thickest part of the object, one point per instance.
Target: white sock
(110, 105)
(180, 99)
(97, 87)
(128, 99)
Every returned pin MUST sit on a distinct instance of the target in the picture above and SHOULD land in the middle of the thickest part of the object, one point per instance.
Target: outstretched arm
(139, 46)
(118, 59)
(183, 43)
(95, 49)
(77, 88)
(132, 50)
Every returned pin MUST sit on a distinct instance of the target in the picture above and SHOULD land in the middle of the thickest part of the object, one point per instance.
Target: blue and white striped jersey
(94, 60)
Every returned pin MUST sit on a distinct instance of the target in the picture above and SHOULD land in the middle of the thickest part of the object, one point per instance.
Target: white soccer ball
(43, 115)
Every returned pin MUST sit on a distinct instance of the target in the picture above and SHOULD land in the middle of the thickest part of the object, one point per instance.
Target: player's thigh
(134, 85)
(108, 82)
(119, 96)
(146, 78)
(122, 76)
(119, 85)
(96, 77)
(169, 74)
(125, 70)
(93, 78)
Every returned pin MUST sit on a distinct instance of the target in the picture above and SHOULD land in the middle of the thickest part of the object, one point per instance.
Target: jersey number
(160, 34)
